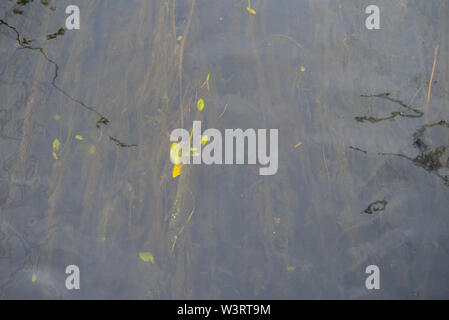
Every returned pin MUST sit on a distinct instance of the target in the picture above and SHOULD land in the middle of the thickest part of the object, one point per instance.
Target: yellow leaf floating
(177, 170)
(204, 140)
(303, 69)
(146, 257)
(175, 153)
(179, 38)
(80, 138)
(56, 146)
(34, 278)
(250, 10)
(200, 104)
(298, 144)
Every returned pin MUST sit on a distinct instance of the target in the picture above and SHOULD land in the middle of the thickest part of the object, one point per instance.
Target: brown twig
(435, 55)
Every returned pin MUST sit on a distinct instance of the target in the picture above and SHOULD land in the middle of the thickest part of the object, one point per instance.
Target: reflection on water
(350, 193)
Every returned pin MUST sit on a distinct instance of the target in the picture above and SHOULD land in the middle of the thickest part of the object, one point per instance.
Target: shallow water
(367, 186)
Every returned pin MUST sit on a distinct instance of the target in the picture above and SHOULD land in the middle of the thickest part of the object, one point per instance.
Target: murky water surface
(368, 185)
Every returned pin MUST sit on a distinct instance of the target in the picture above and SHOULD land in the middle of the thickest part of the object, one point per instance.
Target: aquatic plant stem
(181, 57)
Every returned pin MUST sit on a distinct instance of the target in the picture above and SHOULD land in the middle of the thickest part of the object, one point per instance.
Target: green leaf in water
(200, 104)
(56, 145)
(147, 257)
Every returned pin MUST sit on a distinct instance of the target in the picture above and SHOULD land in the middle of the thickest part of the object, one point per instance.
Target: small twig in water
(226, 105)
(435, 56)
(121, 144)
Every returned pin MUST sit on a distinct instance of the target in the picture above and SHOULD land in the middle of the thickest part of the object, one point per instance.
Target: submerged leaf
(200, 104)
(147, 257)
(56, 145)
(56, 117)
(250, 10)
(33, 278)
(291, 268)
(175, 153)
(92, 149)
(177, 170)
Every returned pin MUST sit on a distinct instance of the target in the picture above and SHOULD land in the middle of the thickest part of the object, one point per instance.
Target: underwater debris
(60, 32)
(224, 110)
(358, 149)
(206, 83)
(429, 159)
(121, 144)
(298, 144)
(103, 120)
(435, 56)
(376, 206)
(17, 9)
(24, 44)
(175, 238)
(394, 114)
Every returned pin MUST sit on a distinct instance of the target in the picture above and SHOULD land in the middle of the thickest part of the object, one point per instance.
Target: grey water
(369, 185)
